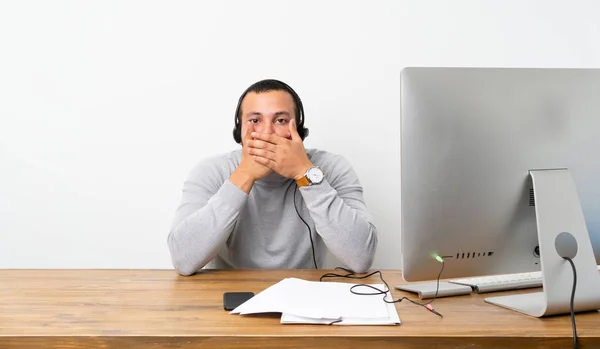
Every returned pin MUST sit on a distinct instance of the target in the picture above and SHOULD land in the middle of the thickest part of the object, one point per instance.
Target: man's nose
(267, 127)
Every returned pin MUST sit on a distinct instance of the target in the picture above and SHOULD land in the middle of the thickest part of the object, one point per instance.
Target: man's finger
(257, 143)
(264, 161)
(262, 153)
(248, 134)
(269, 137)
(294, 131)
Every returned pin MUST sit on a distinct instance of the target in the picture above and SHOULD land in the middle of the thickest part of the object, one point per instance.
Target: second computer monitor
(470, 137)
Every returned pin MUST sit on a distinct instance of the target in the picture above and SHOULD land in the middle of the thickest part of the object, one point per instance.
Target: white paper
(302, 301)
(391, 319)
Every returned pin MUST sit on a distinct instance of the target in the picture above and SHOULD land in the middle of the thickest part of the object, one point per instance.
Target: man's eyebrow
(277, 114)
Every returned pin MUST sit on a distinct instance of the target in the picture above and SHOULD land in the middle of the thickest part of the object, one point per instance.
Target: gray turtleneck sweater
(218, 226)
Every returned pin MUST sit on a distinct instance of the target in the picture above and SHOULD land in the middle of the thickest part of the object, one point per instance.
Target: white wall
(106, 105)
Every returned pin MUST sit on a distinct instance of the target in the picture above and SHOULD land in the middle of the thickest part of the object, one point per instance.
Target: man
(241, 209)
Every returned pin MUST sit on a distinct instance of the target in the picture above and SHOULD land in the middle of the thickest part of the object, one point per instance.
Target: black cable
(573, 301)
(352, 275)
(312, 245)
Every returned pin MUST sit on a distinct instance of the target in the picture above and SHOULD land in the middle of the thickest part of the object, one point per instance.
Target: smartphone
(232, 300)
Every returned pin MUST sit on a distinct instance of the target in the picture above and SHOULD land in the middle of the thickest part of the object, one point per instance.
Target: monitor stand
(561, 232)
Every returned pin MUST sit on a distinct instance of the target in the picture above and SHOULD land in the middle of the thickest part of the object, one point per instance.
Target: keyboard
(504, 282)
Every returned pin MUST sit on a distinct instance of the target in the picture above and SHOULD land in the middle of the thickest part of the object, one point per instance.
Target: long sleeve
(340, 215)
(205, 218)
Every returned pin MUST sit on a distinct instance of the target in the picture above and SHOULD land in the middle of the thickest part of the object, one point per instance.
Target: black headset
(302, 131)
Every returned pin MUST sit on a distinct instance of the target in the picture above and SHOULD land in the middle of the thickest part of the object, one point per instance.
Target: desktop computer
(501, 174)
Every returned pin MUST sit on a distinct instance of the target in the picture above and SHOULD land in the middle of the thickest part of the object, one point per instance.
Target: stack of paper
(309, 302)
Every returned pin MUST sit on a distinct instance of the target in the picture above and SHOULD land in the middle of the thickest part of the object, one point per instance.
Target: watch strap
(302, 182)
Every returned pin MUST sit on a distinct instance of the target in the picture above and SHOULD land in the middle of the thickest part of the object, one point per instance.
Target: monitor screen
(470, 137)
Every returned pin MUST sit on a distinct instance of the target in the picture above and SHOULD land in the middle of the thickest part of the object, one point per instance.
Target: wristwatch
(313, 175)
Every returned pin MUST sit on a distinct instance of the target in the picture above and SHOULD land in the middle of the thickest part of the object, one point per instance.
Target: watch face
(315, 175)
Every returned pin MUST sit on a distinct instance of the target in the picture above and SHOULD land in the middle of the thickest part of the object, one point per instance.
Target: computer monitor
(495, 164)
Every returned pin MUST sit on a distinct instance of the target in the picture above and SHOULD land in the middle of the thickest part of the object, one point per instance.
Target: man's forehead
(274, 102)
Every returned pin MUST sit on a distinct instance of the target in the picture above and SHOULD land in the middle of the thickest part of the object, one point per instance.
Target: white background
(106, 105)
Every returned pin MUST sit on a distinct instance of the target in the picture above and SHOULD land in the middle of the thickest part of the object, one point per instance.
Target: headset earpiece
(237, 131)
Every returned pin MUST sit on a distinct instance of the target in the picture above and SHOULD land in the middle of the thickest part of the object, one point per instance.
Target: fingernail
(253, 134)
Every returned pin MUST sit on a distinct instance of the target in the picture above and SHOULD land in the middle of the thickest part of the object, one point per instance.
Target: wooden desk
(158, 308)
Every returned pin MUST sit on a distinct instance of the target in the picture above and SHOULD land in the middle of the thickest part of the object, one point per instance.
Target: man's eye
(254, 121)
(282, 121)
